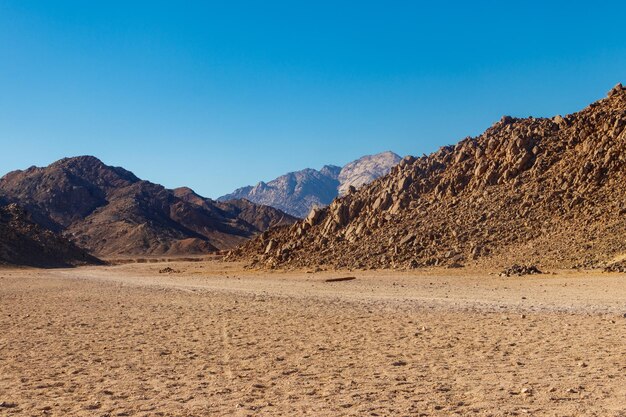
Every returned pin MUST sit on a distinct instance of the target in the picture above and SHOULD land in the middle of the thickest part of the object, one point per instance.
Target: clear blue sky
(217, 95)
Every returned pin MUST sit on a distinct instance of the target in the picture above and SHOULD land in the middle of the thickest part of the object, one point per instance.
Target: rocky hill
(547, 191)
(109, 211)
(23, 242)
(298, 192)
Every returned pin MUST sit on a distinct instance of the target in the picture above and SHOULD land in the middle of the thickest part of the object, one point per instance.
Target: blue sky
(217, 95)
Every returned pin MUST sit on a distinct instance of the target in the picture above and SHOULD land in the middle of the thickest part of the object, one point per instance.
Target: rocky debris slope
(298, 192)
(544, 191)
(23, 242)
(109, 211)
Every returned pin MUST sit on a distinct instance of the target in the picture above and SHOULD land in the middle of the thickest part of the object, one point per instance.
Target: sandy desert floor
(214, 339)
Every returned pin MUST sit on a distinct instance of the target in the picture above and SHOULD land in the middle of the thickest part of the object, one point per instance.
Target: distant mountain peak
(298, 192)
(366, 169)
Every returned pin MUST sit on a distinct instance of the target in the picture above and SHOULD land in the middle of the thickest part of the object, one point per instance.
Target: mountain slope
(298, 192)
(109, 211)
(547, 191)
(22, 242)
(257, 217)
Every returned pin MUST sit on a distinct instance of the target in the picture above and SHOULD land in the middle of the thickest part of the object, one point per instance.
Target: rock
(168, 270)
(314, 216)
(271, 246)
(619, 266)
(520, 270)
(618, 89)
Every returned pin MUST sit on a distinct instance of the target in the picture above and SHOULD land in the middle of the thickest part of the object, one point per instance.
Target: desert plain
(211, 338)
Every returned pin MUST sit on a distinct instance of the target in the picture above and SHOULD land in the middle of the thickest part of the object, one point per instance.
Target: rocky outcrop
(544, 191)
(23, 242)
(298, 192)
(109, 211)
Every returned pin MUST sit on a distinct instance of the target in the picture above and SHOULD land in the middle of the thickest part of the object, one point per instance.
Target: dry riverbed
(210, 338)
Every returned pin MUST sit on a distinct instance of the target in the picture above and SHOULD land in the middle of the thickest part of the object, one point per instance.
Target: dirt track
(217, 340)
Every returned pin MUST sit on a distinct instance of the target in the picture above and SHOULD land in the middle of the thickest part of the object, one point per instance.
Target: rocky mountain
(23, 242)
(365, 170)
(546, 191)
(261, 217)
(298, 192)
(109, 211)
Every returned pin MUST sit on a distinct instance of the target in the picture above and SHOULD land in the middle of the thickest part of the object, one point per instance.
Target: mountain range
(109, 211)
(298, 192)
(546, 191)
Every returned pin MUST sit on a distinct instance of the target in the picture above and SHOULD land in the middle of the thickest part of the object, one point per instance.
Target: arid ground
(213, 339)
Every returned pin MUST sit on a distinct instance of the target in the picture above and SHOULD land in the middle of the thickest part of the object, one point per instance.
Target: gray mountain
(366, 169)
(296, 193)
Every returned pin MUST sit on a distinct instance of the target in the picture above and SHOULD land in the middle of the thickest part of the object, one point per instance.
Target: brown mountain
(550, 191)
(109, 211)
(257, 216)
(23, 242)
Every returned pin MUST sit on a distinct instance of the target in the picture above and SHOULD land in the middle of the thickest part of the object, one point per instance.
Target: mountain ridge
(298, 192)
(110, 211)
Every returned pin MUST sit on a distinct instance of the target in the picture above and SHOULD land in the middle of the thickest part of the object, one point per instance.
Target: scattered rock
(520, 270)
(619, 266)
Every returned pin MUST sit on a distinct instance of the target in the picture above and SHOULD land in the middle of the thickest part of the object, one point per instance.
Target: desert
(209, 337)
(312, 209)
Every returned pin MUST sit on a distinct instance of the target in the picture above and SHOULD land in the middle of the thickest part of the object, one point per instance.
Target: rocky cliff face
(23, 242)
(109, 211)
(546, 191)
(298, 192)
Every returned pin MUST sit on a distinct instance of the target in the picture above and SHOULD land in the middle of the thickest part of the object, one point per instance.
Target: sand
(214, 339)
